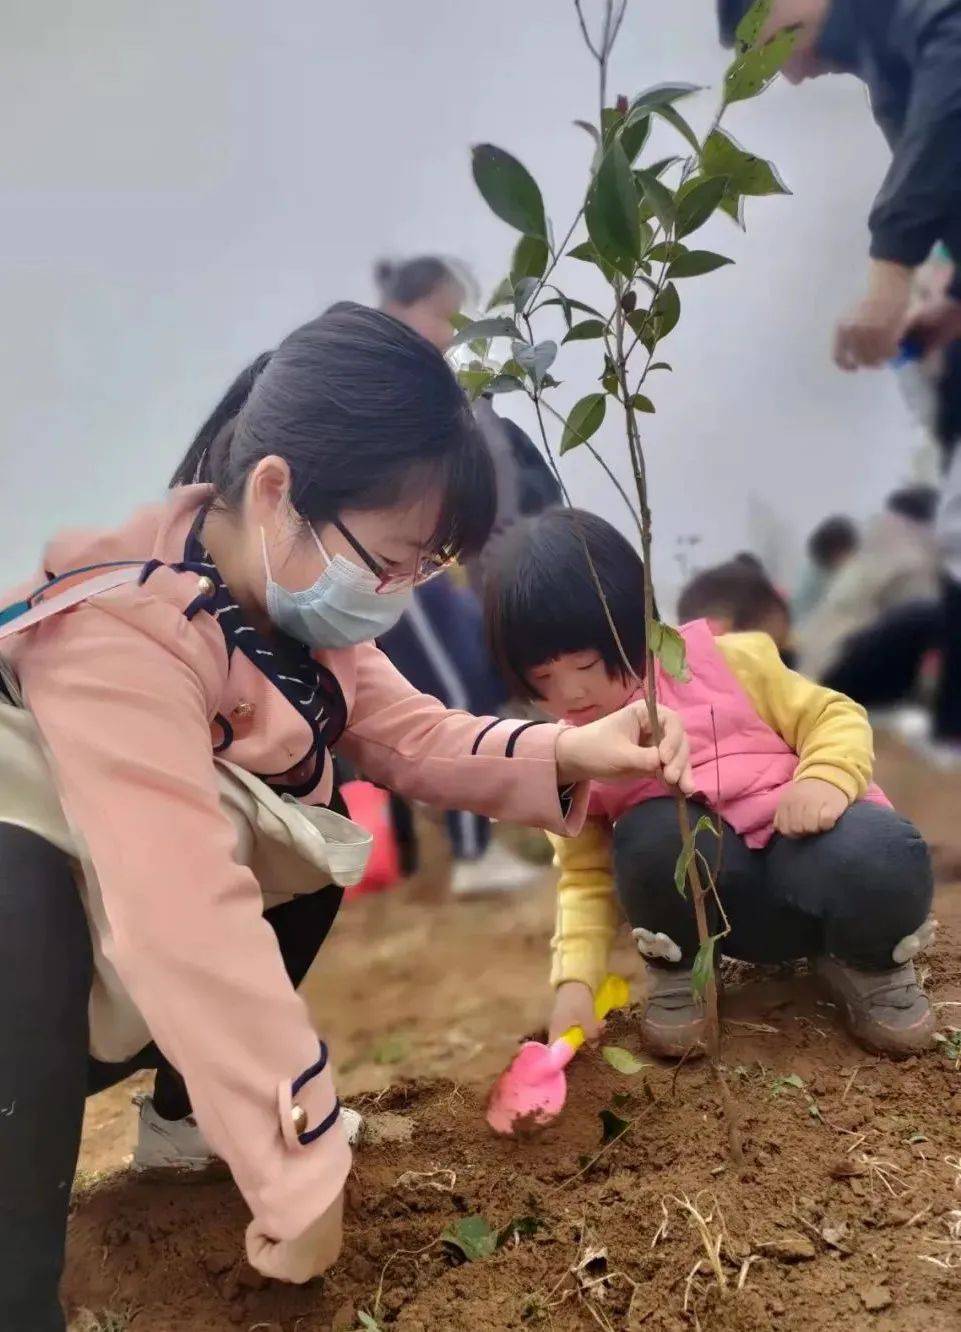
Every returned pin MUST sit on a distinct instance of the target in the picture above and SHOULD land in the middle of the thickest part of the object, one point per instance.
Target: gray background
(183, 183)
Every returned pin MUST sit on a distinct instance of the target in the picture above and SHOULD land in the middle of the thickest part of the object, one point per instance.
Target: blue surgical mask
(341, 609)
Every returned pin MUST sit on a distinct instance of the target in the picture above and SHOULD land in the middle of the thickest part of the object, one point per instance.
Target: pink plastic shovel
(533, 1089)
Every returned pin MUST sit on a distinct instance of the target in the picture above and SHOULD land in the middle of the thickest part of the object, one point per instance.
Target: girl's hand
(301, 1259)
(621, 745)
(809, 806)
(574, 1007)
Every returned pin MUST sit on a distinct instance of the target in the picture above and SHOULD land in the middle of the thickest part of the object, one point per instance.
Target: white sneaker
(353, 1122)
(171, 1146)
(498, 870)
(177, 1146)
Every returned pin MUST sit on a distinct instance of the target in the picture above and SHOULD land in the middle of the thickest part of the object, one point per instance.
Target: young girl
(172, 691)
(814, 862)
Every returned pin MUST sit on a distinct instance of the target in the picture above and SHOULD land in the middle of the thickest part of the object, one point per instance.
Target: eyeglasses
(428, 567)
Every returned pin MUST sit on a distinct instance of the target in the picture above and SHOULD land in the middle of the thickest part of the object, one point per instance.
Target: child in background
(735, 597)
(829, 547)
(815, 863)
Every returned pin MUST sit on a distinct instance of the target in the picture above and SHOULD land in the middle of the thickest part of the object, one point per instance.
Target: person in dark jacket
(439, 642)
(908, 53)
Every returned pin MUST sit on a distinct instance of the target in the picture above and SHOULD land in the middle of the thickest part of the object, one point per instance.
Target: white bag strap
(88, 587)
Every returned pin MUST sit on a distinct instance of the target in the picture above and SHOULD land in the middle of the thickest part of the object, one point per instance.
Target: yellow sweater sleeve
(587, 911)
(828, 731)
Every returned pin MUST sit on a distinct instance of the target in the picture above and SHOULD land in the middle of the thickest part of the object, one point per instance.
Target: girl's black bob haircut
(542, 600)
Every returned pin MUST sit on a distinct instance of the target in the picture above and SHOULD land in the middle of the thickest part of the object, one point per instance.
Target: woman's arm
(124, 715)
(411, 743)
(529, 772)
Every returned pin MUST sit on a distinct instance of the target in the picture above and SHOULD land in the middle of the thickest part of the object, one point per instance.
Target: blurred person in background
(737, 597)
(881, 614)
(829, 547)
(439, 642)
(908, 53)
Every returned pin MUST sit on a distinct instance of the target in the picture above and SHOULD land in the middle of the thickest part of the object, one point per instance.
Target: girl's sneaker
(886, 1011)
(177, 1146)
(674, 1022)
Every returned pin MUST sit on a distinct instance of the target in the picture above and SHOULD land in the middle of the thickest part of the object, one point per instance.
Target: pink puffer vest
(740, 764)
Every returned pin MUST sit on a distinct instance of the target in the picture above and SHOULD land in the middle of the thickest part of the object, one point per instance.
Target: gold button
(299, 1115)
(243, 711)
(206, 587)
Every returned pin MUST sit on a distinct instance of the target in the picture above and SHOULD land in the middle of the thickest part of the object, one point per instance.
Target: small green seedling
(788, 1082)
(950, 1044)
(622, 1060)
(473, 1237)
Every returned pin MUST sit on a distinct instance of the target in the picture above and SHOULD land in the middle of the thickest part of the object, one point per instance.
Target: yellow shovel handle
(612, 993)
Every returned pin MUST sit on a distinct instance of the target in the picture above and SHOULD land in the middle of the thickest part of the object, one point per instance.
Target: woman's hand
(301, 1259)
(622, 745)
(574, 1007)
(809, 806)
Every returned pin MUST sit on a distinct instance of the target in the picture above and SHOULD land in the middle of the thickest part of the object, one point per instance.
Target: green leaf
(584, 420)
(611, 384)
(588, 254)
(658, 197)
(666, 252)
(611, 119)
(503, 294)
(495, 327)
(612, 1126)
(571, 304)
(696, 201)
(524, 289)
(472, 1236)
(586, 329)
(789, 1081)
(530, 258)
(509, 189)
(642, 404)
(610, 211)
(474, 382)
(683, 863)
(635, 134)
(663, 94)
(752, 71)
(669, 648)
(659, 365)
(520, 1227)
(677, 121)
(695, 263)
(505, 384)
(703, 966)
(537, 360)
(748, 174)
(749, 28)
(367, 1323)
(654, 325)
(733, 205)
(622, 1060)
(590, 129)
(658, 168)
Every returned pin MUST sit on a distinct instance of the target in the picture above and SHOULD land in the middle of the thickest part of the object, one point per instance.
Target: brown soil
(846, 1214)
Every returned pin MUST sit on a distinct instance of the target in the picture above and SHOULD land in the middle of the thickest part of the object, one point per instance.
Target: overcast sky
(185, 182)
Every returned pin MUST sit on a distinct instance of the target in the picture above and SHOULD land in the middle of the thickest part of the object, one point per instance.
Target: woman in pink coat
(205, 658)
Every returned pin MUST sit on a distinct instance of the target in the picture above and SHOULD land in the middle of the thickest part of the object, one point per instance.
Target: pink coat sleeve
(413, 744)
(125, 717)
